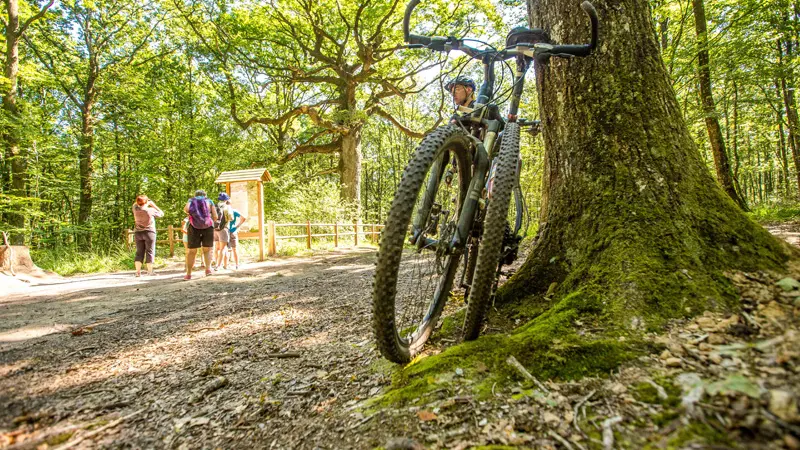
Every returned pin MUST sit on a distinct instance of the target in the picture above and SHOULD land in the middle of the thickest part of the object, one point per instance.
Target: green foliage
(67, 261)
(775, 213)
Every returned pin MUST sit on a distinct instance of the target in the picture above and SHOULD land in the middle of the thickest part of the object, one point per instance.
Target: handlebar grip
(568, 50)
(407, 18)
(588, 8)
(416, 39)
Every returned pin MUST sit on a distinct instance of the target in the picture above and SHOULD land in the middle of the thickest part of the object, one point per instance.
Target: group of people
(214, 227)
(207, 226)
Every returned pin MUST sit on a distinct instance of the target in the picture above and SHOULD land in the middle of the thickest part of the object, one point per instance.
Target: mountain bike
(451, 208)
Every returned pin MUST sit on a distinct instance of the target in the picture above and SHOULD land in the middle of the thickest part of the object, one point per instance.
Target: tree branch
(407, 131)
(331, 147)
(36, 17)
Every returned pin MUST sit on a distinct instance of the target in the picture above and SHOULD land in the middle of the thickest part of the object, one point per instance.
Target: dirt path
(280, 355)
(273, 355)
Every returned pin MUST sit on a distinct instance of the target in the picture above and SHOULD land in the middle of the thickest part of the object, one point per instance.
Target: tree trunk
(787, 95)
(17, 157)
(635, 230)
(85, 167)
(350, 170)
(721, 163)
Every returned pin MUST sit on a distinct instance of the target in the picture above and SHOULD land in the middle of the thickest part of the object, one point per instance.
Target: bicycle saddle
(526, 35)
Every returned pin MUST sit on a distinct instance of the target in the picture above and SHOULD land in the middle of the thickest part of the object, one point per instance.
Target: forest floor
(280, 354)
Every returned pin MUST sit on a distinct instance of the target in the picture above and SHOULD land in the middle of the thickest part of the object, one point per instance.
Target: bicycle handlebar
(541, 49)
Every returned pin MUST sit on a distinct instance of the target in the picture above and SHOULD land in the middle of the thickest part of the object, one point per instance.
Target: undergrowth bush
(775, 213)
(68, 261)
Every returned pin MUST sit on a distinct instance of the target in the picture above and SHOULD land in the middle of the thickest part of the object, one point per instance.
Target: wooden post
(374, 236)
(271, 247)
(228, 189)
(171, 241)
(355, 234)
(261, 225)
(336, 234)
(128, 235)
(308, 233)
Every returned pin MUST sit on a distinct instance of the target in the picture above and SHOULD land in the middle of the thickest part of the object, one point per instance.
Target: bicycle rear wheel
(415, 269)
(494, 227)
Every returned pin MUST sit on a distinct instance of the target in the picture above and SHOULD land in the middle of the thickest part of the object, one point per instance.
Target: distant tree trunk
(781, 150)
(350, 169)
(85, 167)
(735, 141)
(787, 95)
(631, 208)
(17, 156)
(721, 163)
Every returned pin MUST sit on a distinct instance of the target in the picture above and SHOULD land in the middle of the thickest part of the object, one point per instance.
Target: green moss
(548, 346)
(451, 325)
(697, 433)
(492, 447)
(647, 393)
(665, 417)
(59, 438)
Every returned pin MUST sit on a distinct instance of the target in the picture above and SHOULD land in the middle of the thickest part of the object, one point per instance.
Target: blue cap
(223, 197)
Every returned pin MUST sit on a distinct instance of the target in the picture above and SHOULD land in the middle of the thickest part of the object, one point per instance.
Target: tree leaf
(426, 415)
(735, 383)
(788, 284)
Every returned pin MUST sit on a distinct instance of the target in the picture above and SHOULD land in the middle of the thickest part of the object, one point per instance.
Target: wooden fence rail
(370, 231)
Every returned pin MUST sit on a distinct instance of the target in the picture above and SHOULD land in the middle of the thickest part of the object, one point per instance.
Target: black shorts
(201, 238)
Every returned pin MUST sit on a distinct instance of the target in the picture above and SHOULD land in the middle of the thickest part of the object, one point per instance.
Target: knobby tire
(391, 344)
(488, 261)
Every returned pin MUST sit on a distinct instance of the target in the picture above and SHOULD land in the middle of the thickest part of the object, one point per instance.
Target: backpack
(223, 217)
(200, 214)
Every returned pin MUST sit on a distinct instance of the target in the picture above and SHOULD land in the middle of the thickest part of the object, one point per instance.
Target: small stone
(706, 323)
(705, 347)
(796, 302)
(673, 362)
(784, 405)
(716, 339)
(666, 354)
(715, 358)
(618, 388)
(774, 311)
(791, 442)
(406, 443)
(550, 417)
(726, 323)
(676, 349)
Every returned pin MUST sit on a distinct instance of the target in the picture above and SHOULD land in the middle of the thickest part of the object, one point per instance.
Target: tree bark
(16, 155)
(721, 162)
(787, 95)
(635, 229)
(350, 170)
(86, 169)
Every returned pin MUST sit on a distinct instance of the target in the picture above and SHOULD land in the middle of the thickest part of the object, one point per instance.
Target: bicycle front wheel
(415, 268)
(494, 227)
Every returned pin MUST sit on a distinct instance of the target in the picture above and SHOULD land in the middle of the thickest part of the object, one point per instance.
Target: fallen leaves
(426, 416)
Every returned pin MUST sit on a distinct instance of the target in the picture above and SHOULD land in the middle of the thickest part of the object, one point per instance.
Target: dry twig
(521, 369)
(608, 433)
(563, 441)
(100, 430)
(577, 408)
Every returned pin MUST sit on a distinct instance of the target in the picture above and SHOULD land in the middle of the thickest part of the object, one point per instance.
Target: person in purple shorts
(202, 215)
